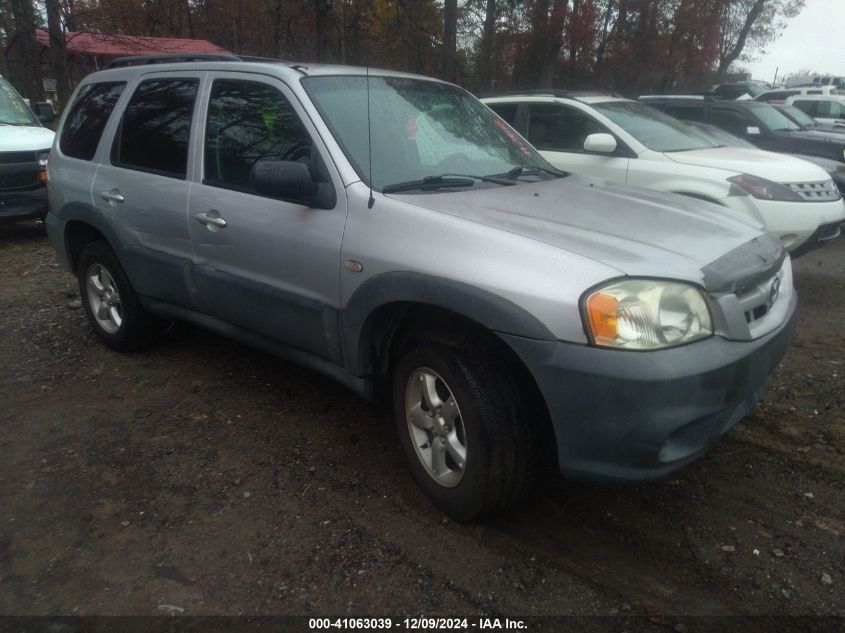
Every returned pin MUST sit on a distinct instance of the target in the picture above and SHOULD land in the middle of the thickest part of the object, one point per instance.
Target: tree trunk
(450, 41)
(58, 50)
(26, 73)
(321, 21)
(733, 54)
(485, 51)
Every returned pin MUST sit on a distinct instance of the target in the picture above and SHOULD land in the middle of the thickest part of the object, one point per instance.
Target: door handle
(211, 220)
(112, 195)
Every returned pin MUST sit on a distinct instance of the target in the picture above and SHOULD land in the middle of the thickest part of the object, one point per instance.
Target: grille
(757, 301)
(17, 157)
(823, 191)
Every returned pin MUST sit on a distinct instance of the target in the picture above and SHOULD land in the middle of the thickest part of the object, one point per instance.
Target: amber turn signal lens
(601, 311)
(42, 176)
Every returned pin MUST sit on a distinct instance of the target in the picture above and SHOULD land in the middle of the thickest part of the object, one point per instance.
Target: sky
(813, 40)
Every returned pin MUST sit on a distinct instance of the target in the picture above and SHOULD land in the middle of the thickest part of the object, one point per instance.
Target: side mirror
(752, 130)
(44, 112)
(287, 179)
(601, 143)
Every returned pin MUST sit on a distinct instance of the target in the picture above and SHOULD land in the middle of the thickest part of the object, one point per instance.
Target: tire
(489, 422)
(123, 324)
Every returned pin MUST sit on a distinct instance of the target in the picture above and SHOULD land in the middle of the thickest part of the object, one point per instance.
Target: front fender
(489, 310)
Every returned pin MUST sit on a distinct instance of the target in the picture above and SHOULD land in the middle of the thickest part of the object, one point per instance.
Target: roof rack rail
(175, 58)
(697, 97)
(550, 92)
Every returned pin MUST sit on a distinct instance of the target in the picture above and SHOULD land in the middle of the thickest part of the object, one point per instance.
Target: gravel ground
(209, 476)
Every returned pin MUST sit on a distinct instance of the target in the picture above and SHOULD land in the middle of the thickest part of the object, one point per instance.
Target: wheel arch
(378, 322)
(82, 224)
(386, 296)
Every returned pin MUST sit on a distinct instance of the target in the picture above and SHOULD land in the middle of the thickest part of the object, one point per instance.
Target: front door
(266, 265)
(559, 131)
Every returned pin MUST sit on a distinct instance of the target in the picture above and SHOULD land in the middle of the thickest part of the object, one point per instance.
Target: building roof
(102, 45)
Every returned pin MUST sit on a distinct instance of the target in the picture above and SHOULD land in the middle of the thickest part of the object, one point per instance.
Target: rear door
(266, 265)
(142, 187)
(559, 131)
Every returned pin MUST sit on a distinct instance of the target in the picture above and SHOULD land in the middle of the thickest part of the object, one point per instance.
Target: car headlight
(43, 161)
(764, 189)
(646, 314)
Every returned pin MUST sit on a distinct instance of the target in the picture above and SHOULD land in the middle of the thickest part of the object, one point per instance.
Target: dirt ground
(215, 478)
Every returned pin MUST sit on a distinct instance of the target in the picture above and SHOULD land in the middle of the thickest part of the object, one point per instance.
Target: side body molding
(490, 310)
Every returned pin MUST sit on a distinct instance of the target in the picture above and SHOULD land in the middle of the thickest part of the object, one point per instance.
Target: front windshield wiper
(443, 180)
(518, 171)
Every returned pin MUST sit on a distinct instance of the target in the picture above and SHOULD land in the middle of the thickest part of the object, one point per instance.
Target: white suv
(627, 141)
(827, 109)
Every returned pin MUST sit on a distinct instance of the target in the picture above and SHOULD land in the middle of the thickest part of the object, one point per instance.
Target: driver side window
(560, 128)
(250, 122)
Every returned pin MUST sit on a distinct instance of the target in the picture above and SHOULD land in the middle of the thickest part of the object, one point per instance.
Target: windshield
(13, 109)
(654, 129)
(798, 115)
(772, 119)
(420, 129)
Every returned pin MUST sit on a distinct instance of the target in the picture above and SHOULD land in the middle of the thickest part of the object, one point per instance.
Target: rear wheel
(469, 441)
(113, 308)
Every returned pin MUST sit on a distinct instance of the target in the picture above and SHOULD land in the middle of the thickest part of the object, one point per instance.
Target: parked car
(508, 308)
(809, 124)
(627, 141)
(24, 152)
(835, 169)
(739, 90)
(826, 109)
(779, 95)
(759, 123)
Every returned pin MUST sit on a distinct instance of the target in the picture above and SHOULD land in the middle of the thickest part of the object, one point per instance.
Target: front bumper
(637, 416)
(821, 236)
(20, 205)
(793, 222)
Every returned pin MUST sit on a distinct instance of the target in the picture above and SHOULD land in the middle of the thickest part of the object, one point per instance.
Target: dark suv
(758, 123)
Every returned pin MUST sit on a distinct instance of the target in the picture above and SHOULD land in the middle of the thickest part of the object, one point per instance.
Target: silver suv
(391, 231)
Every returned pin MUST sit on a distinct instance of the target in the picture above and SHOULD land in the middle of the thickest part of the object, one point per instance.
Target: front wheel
(112, 307)
(469, 441)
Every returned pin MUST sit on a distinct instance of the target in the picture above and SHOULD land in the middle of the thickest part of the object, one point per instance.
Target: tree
(450, 43)
(322, 13)
(58, 53)
(755, 22)
(26, 71)
(485, 51)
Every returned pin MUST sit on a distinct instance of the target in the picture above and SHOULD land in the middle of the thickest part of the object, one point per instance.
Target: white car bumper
(793, 222)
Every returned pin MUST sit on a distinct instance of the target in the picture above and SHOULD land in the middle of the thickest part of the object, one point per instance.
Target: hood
(756, 162)
(634, 230)
(828, 133)
(20, 138)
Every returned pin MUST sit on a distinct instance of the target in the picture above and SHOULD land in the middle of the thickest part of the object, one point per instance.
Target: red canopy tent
(104, 47)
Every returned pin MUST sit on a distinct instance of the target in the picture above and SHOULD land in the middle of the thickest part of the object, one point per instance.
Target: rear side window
(88, 117)
(505, 110)
(684, 112)
(809, 107)
(156, 128)
(830, 109)
(560, 128)
(250, 122)
(731, 121)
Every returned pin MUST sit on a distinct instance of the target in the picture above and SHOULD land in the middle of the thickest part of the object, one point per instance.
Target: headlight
(43, 160)
(647, 314)
(765, 189)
